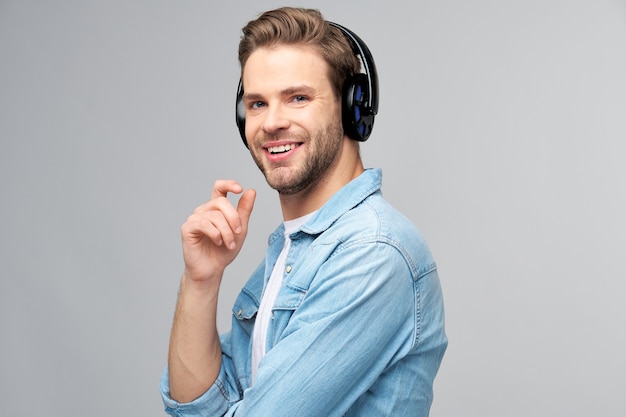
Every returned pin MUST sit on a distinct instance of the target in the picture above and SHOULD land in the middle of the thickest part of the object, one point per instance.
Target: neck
(347, 167)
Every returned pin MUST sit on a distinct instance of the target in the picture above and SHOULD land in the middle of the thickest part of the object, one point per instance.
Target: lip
(282, 156)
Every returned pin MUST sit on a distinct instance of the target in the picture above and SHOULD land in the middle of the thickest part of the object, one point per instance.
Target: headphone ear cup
(240, 114)
(357, 116)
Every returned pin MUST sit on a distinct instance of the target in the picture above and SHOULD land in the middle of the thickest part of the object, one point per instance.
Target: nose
(275, 119)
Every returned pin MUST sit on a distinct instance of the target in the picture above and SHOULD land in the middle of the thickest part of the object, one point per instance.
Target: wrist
(200, 286)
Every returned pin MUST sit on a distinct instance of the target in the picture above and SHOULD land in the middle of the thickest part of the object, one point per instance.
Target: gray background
(500, 133)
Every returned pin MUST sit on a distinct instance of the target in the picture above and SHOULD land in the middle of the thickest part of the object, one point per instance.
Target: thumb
(245, 206)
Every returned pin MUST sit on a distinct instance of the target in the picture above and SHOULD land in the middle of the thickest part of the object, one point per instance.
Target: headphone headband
(360, 49)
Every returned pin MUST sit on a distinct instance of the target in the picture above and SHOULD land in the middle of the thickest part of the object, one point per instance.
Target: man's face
(293, 118)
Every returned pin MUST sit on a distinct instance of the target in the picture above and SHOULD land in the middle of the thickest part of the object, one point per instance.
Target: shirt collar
(348, 197)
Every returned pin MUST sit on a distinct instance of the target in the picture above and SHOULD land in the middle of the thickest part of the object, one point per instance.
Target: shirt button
(239, 313)
(288, 269)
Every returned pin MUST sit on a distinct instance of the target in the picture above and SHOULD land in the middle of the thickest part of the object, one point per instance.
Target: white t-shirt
(270, 292)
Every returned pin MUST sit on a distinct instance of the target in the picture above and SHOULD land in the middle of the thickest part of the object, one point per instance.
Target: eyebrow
(290, 91)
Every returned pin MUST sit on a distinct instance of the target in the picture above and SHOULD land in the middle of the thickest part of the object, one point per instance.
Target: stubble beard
(323, 150)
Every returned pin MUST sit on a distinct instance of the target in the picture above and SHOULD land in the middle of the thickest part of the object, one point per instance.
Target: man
(345, 316)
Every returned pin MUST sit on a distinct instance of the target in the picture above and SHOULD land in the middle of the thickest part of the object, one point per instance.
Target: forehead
(284, 66)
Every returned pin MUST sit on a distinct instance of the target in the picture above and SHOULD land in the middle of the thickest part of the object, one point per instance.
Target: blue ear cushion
(358, 94)
(361, 128)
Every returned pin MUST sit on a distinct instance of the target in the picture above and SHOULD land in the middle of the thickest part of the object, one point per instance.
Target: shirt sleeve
(211, 403)
(218, 400)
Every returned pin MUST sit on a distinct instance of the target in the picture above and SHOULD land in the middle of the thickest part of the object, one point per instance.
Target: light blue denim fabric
(357, 328)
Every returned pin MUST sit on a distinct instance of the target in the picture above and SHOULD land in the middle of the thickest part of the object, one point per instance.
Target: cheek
(252, 127)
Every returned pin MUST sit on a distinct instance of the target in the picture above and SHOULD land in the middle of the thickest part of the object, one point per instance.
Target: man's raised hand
(214, 234)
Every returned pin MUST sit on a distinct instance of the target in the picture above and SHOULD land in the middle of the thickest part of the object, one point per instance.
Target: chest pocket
(245, 306)
(288, 300)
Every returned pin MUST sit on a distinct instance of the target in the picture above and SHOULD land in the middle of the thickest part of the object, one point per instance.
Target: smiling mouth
(282, 148)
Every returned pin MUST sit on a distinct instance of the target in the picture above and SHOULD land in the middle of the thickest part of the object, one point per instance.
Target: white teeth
(281, 148)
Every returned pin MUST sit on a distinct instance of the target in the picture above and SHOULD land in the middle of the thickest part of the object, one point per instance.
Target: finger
(231, 215)
(223, 219)
(212, 225)
(217, 203)
(224, 234)
(245, 207)
(221, 188)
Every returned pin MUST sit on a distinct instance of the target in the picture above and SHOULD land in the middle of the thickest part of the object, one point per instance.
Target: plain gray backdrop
(501, 135)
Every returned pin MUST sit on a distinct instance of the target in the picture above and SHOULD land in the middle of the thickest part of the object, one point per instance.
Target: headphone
(359, 100)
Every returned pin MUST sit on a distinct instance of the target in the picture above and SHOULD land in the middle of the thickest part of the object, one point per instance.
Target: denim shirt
(357, 327)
